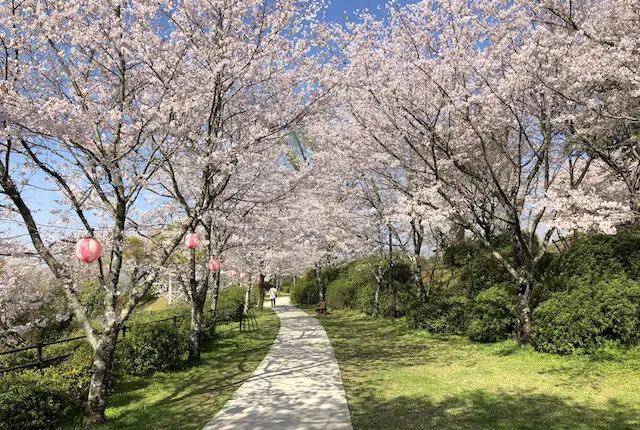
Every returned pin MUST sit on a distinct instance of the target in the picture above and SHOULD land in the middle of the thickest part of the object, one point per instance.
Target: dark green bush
(492, 316)
(92, 297)
(341, 294)
(147, 348)
(44, 399)
(34, 399)
(591, 259)
(231, 298)
(481, 272)
(77, 371)
(365, 299)
(306, 290)
(442, 314)
(18, 358)
(208, 327)
(586, 318)
(459, 254)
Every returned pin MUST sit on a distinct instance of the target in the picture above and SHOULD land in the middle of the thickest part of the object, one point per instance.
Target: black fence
(225, 315)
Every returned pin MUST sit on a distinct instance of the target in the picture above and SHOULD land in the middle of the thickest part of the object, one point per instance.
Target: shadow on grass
(482, 410)
(363, 342)
(189, 396)
(398, 378)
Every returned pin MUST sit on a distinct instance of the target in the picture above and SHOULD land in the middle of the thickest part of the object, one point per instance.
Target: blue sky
(340, 9)
(337, 11)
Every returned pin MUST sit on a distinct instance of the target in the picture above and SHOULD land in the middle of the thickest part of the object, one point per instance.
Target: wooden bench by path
(322, 309)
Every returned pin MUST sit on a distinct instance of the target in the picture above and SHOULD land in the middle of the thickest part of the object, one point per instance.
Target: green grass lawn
(189, 397)
(397, 378)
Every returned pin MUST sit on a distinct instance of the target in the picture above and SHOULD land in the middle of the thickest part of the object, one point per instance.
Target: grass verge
(188, 397)
(398, 378)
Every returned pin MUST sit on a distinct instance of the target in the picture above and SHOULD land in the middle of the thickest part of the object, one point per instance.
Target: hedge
(586, 318)
(45, 399)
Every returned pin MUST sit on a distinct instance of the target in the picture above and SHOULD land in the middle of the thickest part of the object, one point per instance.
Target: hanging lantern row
(88, 249)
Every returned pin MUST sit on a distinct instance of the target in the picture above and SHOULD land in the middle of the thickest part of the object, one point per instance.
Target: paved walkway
(297, 386)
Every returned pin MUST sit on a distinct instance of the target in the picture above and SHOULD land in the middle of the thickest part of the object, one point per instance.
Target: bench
(322, 309)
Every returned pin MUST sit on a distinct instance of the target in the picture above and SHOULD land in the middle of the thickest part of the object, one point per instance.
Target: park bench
(322, 309)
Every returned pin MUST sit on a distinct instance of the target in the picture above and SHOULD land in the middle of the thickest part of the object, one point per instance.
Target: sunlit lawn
(189, 397)
(397, 378)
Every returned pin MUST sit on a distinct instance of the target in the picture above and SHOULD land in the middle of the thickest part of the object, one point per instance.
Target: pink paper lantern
(243, 276)
(214, 264)
(88, 249)
(191, 240)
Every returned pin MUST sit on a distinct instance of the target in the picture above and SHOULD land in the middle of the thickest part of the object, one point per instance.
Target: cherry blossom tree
(254, 56)
(450, 94)
(83, 109)
(593, 46)
(29, 299)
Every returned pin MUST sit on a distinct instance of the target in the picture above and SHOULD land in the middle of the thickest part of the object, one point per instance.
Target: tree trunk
(261, 292)
(416, 271)
(458, 237)
(214, 296)
(247, 294)
(195, 331)
(524, 322)
(392, 299)
(320, 282)
(392, 286)
(376, 296)
(100, 376)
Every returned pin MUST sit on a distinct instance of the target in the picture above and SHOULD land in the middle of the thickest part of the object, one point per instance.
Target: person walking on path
(273, 293)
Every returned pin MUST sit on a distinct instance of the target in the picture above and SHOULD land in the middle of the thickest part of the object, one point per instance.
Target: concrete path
(297, 386)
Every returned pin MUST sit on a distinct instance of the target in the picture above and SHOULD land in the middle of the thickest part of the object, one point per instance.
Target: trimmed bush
(306, 291)
(147, 348)
(481, 272)
(231, 298)
(45, 399)
(492, 316)
(591, 259)
(33, 399)
(341, 294)
(586, 318)
(442, 314)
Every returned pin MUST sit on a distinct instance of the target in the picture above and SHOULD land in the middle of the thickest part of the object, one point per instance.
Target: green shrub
(230, 298)
(285, 285)
(365, 299)
(45, 399)
(591, 259)
(92, 298)
(481, 272)
(35, 399)
(492, 316)
(147, 348)
(208, 326)
(442, 314)
(341, 294)
(459, 254)
(77, 371)
(306, 291)
(586, 318)
(18, 358)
